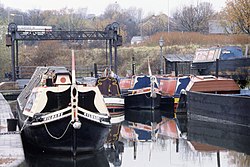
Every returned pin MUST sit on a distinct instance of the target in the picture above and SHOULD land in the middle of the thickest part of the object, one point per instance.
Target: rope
(54, 137)
(24, 124)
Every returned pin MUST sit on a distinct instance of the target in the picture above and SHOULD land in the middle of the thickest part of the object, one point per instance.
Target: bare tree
(111, 11)
(237, 12)
(36, 17)
(194, 18)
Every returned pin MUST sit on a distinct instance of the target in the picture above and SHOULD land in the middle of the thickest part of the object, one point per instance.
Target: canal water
(173, 140)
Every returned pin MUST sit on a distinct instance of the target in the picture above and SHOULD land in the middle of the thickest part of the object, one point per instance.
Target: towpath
(11, 150)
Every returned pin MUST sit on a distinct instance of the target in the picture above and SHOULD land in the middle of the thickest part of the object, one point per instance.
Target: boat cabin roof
(143, 82)
(211, 84)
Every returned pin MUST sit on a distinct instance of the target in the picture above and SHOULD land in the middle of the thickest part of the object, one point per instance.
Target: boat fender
(77, 125)
(183, 91)
(153, 95)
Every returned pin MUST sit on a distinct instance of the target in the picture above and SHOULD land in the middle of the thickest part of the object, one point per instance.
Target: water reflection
(222, 134)
(179, 141)
(91, 160)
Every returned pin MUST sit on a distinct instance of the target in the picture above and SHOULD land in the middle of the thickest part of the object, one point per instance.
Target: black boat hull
(60, 136)
(231, 108)
(142, 101)
(143, 116)
(87, 160)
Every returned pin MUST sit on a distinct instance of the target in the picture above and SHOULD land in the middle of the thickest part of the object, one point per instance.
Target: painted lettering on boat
(91, 116)
(52, 116)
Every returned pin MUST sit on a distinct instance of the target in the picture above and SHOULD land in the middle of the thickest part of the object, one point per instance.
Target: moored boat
(233, 108)
(144, 93)
(207, 84)
(56, 113)
(171, 89)
(108, 85)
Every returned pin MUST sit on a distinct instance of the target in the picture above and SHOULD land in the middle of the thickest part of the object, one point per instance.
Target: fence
(25, 72)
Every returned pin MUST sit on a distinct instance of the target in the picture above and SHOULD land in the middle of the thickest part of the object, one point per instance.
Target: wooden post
(217, 68)
(176, 68)
(133, 65)
(95, 70)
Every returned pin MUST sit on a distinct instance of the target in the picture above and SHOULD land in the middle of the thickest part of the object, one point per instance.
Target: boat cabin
(221, 53)
(212, 84)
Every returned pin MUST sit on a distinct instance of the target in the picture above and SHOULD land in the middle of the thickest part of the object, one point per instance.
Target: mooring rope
(54, 137)
(24, 124)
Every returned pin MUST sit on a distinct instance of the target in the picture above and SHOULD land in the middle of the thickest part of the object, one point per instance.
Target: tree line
(186, 19)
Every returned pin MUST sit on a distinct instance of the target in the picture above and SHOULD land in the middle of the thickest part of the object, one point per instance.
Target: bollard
(11, 124)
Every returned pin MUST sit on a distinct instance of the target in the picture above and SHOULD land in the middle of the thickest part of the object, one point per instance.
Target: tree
(237, 12)
(5, 59)
(194, 18)
(46, 53)
(36, 17)
(111, 11)
(127, 19)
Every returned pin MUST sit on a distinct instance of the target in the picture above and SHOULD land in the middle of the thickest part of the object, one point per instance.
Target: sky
(98, 7)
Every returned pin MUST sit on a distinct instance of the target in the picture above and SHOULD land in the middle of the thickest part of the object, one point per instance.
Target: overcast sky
(98, 6)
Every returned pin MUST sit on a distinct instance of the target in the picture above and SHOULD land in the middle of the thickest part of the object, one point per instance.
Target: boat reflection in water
(224, 134)
(183, 141)
(180, 141)
(144, 116)
(111, 155)
(42, 160)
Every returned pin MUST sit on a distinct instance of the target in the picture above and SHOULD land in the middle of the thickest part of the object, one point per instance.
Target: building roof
(138, 39)
(179, 57)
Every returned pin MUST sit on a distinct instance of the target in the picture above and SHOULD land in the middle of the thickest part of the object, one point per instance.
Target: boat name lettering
(91, 116)
(53, 116)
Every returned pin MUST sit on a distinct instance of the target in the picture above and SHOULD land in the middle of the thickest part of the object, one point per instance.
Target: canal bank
(11, 150)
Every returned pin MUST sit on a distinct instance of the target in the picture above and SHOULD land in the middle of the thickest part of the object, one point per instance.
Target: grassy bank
(56, 53)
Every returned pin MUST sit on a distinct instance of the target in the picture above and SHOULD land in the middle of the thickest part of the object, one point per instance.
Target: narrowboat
(108, 85)
(144, 93)
(56, 113)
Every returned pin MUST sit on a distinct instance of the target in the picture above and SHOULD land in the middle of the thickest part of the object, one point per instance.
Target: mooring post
(133, 65)
(176, 68)
(218, 158)
(217, 68)
(95, 70)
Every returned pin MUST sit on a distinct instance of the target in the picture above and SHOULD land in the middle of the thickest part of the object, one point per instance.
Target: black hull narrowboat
(144, 94)
(56, 113)
(60, 136)
(109, 87)
(232, 108)
(142, 101)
